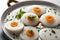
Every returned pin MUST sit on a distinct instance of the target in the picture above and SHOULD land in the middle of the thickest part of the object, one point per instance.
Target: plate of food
(32, 20)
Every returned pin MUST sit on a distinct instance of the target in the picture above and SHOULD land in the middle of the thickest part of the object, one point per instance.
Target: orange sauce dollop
(30, 33)
(49, 18)
(36, 9)
(14, 24)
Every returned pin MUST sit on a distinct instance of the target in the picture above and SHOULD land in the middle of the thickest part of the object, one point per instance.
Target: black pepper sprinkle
(55, 36)
(50, 9)
(38, 30)
(6, 19)
(55, 12)
(54, 9)
(50, 34)
(10, 19)
(53, 32)
(45, 30)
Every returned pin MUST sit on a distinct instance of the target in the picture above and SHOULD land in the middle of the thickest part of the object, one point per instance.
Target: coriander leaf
(50, 9)
(45, 30)
(32, 16)
(54, 9)
(23, 12)
(31, 31)
(20, 10)
(53, 32)
(19, 14)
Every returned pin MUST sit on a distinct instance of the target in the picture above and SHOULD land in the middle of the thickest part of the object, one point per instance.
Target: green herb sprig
(20, 13)
(31, 31)
(45, 30)
(32, 16)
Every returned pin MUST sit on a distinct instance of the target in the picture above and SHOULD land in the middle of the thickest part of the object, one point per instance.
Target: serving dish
(23, 4)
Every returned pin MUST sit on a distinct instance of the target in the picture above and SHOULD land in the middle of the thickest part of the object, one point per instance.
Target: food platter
(14, 9)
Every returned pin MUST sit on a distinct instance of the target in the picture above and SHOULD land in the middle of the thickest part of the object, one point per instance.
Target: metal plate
(24, 4)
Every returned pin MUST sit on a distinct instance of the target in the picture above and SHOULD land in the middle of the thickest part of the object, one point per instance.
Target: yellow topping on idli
(49, 18)
(36, 9)
(30, 33)
(14, 24)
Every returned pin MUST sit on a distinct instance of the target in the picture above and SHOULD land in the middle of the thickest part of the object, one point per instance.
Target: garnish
(55, 36)
(7, 20)
(54, 9)
(31, 16)
(50, 9)
(38, 30)
(20, 13)
(37, 27)
(50, 34)
(55, 12)
(30, 33)
(53, 32)
(45, 30)
(10, 19)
